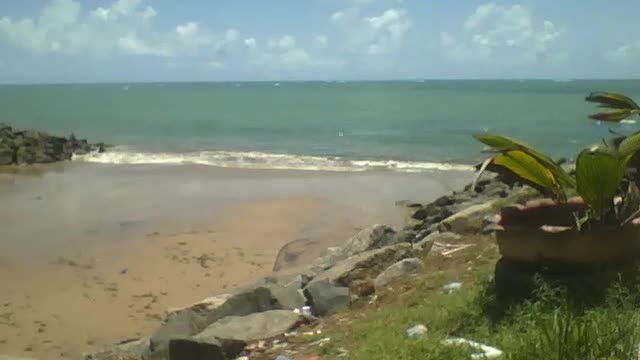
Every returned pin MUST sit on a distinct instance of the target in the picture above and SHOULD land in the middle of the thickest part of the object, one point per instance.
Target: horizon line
(122, 82)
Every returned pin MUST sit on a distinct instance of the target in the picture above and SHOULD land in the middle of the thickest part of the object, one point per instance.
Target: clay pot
(543, 231)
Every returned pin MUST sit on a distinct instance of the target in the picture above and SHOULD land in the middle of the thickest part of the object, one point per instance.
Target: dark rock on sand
(186, 322)
(205, 348)
(30, 146)
(326, 299)
(137, 349)
(252, 327)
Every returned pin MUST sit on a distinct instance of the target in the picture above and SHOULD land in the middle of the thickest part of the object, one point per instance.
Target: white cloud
(503, 34)
(627, 53)
(285, 42)
(125, 26)
(373, 35)
(321, 41)
(215, 65)
(250, 42)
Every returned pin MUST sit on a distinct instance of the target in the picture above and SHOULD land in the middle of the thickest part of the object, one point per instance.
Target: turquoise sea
(400, 125)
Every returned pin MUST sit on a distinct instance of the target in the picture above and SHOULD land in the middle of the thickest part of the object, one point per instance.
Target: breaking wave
(260, 160)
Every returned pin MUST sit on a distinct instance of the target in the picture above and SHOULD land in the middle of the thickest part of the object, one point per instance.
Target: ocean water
(397, 125)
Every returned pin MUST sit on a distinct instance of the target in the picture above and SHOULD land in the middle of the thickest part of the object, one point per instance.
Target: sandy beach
(95, 254)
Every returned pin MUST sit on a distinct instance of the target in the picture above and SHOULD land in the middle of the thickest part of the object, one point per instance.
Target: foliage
(600, 170)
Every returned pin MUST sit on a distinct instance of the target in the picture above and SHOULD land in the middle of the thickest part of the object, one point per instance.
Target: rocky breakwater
(22, 147)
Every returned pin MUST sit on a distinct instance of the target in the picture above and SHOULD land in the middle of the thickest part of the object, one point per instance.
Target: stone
(367, 264)
(6, 155)
(417, 331)
(290, 296)
(374, 237)
(326, 298)
(25, 156)
(399, 270)
(137, 349)
(253, 327)
(468, 220)
(205, 348)
(444, 201)
(186, 322)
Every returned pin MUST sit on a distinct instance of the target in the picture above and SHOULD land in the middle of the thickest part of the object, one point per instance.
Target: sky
(60, 41)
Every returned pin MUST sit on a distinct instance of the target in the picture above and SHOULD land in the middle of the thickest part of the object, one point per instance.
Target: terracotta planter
(544, 232)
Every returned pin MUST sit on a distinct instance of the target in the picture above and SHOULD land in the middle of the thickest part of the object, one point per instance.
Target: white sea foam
(628, 121)
(260, 160)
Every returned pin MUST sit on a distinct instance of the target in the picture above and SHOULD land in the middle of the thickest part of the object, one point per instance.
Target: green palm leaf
(599, 172)
(612, 100)
(503, 144)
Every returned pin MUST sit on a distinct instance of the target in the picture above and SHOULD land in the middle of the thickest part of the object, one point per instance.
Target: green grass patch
(551, 328)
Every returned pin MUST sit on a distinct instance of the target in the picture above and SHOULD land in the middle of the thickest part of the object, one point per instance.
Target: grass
(551, 328)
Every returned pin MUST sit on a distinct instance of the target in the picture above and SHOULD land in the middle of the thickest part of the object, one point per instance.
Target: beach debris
(452, 287)
(322, 342)
(305, 310)
(417, 331)
(373, 299)
(483, 351)
(282, 357)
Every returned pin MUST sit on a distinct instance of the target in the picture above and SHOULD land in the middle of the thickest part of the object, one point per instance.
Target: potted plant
(599, 226)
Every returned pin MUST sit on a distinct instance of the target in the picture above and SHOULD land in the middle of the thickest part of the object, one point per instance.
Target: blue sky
(215, 40)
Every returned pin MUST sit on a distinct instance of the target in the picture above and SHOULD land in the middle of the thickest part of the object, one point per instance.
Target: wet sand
(93, 255)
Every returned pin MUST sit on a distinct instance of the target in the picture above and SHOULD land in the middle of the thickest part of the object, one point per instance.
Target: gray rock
(291, 295)
(326, 298)
(258, 326)
(374, 237)
(128, 350)
(367, 264)
(468, 220)
(401, 269)
(423, 247)
(205, 348)
(6, 154)
(186, 322)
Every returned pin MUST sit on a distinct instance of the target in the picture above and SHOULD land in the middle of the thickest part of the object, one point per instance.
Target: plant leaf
(612, 100)
(503, 144)
(599, 172)
(629, 145)
(529, 170)
(615, 115)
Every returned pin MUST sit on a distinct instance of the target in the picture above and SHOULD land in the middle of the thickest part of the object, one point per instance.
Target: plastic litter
(417, 331)
(321, 342)
(282, 357)
(484, 351)
(306, 310)
(451, 287)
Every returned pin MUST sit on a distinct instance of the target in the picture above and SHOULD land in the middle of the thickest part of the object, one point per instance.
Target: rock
(137, 349)
(367, 264)
(257, 326)
(401, 269)
(186, 322)
(468, 220)
(326, 298)
(417, 331)
(290, 296)
(205, 348)
(444, 201)
(371, 238)
(6, 154)
(362, 288)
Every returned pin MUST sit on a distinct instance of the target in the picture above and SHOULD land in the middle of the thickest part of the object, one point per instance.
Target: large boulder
(205, 348)
(367, 264)
(374, 237)
(326, 299)
(469, 220)
(128, 350)
(399, 270)
(252, 327)
(186, 322)
(371, 238)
